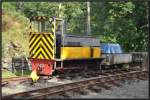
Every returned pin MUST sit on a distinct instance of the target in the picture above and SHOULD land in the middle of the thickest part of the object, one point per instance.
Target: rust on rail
(104, 81)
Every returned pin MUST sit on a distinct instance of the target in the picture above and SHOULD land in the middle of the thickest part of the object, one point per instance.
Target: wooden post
(61, 64)
(60, 11)
(22, 67)
(12, 65)
(88, 19)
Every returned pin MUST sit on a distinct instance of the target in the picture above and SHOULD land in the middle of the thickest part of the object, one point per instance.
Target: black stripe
(34, 46)
(37, 55)
(37, 49)
(47, 46)
(48, 41)
(53, 28)
(34, 40)
(30, 27)
(53, 25)
(30, 33)
(46, 52)
(31, 55)
(31, 37)
(43, 55)
(51, 38)
(91, 50)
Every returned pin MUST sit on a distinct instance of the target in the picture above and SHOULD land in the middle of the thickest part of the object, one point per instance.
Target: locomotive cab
(43, 43)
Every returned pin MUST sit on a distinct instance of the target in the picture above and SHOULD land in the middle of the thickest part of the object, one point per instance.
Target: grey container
(118, 58)
(77, 40)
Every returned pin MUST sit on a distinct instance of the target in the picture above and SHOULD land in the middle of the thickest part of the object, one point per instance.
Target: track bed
(105, 80)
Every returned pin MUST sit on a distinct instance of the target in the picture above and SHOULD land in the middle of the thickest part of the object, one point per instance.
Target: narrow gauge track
(14, 79)
(20, 79)
(103, 80)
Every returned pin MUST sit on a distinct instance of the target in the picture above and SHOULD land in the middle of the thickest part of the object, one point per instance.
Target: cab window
(40, 26)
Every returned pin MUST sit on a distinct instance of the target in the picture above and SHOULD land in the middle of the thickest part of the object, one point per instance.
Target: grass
(9, 74)
(25, 73)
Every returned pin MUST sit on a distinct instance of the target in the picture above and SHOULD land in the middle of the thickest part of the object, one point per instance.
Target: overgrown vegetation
(121, 22)
(7, 74)
(14, 32)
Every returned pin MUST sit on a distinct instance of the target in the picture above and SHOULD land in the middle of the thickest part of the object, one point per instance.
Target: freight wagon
(114, 57)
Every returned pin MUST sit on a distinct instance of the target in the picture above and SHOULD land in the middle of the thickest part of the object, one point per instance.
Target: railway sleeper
(144, 75)
(56, 92)
(116, 83)
(95, 88)
(142, 78)
(65, 95)
(83, 91)
(105, 86)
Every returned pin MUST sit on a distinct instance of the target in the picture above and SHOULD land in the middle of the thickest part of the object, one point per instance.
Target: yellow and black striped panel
(53, 27)
(41, 45)
(39, 18)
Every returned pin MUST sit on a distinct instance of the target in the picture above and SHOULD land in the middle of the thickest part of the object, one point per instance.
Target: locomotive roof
(43, 18)
(81, 36)
(34, 18)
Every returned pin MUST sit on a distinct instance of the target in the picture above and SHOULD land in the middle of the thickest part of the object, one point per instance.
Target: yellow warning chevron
(41, 46)
(53, 27)
(45, 49)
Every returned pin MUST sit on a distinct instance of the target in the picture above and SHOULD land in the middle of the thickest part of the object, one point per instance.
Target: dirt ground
(129, 89)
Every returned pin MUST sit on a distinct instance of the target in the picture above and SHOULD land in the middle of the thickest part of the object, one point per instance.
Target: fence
(142, 58)
(20, 64)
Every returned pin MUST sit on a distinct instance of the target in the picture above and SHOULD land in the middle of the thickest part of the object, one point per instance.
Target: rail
(55, 90)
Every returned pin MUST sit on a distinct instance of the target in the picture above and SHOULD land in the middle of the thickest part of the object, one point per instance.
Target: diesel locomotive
(51, 50)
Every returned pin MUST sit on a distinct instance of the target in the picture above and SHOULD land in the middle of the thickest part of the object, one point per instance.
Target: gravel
(26, 86)
(129, 89)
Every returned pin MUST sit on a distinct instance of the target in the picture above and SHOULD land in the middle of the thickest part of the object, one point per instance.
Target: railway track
(105, 80)
(14, 79)
(18, 79)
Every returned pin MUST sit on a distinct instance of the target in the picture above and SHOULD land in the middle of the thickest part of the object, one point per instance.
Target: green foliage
(121, 22)
(14, 28)
(8, 74)
(25, 73)
(8, 6)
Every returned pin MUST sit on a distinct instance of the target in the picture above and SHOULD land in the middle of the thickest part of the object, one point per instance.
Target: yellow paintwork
(40, 45)
(96, 52)
(79, 52)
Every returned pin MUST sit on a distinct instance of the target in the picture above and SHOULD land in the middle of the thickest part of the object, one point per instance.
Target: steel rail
(54, 90)
(15, 78)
